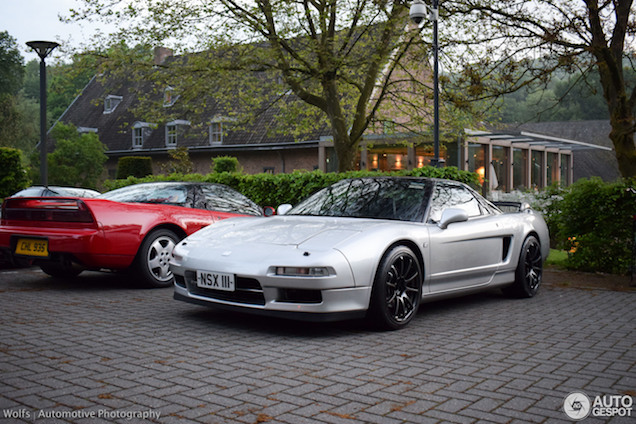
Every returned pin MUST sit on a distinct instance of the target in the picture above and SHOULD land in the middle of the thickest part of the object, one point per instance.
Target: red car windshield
(173, 194)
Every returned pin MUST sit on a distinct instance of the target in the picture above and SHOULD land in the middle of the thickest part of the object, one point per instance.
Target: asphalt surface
(97, 349)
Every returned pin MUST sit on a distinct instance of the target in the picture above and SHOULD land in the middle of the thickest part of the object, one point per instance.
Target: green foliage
(225, 164)
(78, 159)
(134, 166)
(273, 190)
(575, 97)
(13, 176)
(11, 65)
(596, 218)
(179, 162)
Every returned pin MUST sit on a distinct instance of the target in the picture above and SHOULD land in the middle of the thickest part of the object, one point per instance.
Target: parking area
(97, 349)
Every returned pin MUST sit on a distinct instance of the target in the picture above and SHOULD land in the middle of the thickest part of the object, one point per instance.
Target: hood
(298, 231)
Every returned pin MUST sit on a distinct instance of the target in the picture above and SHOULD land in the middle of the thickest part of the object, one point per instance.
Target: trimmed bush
(134, 166)
(594, 220)
(13, 176)
(225, 164)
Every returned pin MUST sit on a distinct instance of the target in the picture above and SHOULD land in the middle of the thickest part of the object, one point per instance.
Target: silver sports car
(367, 247)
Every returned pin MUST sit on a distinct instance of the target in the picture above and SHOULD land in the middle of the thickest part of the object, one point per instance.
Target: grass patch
(557, 258)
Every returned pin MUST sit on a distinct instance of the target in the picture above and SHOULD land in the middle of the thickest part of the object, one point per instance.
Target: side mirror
(269, 211)
(452, 215)
(284, 208)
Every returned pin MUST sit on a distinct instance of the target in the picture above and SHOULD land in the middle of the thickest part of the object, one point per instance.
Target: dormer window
(174, 130)
(86, 130)
(111, 102)
(169, 97)
(140, 133)
(216, 132)
(217, 128)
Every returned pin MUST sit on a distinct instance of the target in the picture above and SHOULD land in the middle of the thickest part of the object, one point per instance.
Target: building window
(111, 102)
(218, 128)
(138, 138)
(269, 170)
(140, 133)
(174, 130)
(86, 130)
(216, 132)
(537, 169)
(169, 97)
(171, 135)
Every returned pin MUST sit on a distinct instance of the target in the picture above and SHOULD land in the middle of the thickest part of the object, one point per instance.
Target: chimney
(161, 54)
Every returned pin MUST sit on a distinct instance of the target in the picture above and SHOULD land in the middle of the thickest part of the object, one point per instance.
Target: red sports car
(134, 227)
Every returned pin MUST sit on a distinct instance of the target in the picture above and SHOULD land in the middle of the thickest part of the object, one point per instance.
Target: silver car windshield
(403, 199)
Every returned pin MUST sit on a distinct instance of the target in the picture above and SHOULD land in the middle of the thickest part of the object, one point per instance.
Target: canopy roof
(524, 137)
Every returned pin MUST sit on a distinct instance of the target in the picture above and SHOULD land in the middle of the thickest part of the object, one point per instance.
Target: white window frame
(216, 132)
(217, 129)
(111, 102)
(169, 98)
(140, 132)
(172, 131)
(138, 137)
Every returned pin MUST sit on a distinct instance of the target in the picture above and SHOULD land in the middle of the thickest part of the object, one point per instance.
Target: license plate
(215, 280)
(32, 247)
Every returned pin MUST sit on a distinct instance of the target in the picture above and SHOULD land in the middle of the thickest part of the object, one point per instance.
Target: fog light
(291, 271)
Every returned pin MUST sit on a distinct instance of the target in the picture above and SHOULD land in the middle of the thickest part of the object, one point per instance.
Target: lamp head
(42, 48)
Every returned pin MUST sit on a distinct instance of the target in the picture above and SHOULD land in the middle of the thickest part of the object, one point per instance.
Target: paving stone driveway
(96, 350)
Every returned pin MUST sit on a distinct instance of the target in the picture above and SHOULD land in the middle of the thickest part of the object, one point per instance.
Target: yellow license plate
(32, 247)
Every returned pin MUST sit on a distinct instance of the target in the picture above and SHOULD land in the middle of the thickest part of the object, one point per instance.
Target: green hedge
(134, 166)
(273, 190)
(13, 176)
(595, 220)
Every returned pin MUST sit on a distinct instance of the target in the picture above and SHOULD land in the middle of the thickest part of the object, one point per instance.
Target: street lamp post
(43, 49)
(418, 12)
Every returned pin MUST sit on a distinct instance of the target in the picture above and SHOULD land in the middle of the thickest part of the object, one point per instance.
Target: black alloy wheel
(529, 272)
(397, 289)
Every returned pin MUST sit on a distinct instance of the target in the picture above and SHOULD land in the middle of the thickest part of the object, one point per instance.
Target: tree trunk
(622, 136)
(343, 144)
(609, 62)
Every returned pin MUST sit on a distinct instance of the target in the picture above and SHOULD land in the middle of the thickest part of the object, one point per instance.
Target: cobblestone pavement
(97, 350)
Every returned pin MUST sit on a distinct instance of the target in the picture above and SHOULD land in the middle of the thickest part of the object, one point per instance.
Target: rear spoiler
(512, 207)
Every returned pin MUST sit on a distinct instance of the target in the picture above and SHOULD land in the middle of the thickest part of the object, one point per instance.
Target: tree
(11, 65)
(333, 63)
(78, 159)
(179, 162)
(18, 115)
(503, 46)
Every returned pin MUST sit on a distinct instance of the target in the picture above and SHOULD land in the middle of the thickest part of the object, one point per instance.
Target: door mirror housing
(283, 209)
(452, 215)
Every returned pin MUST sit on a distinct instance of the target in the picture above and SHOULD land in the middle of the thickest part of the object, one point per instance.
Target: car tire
(153, 257)
(61, 270)
(529, 272)
(397, 290)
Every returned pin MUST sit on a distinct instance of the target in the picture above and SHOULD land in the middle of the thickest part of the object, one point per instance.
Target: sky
(31, 20)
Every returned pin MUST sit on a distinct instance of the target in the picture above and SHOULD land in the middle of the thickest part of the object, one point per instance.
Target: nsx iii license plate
(32, 247)
(215, 280)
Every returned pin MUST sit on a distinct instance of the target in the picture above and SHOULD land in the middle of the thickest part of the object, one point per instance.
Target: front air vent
(507, 241)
